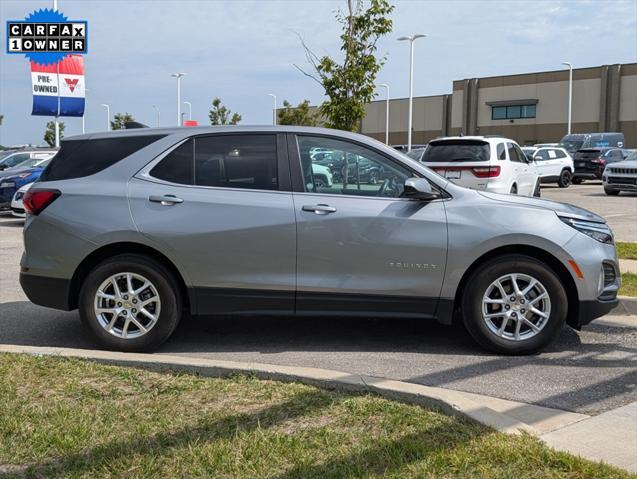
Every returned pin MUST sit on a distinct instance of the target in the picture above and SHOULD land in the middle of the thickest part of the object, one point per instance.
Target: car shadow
(573, 374)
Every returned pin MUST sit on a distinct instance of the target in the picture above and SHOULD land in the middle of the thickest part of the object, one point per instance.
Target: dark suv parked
(589, 163)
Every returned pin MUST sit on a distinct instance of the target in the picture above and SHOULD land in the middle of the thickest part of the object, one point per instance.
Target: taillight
(486, 171)
(36, 200)
(598, 161)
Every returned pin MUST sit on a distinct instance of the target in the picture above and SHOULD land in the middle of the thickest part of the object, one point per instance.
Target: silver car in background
(145, 225)
(621, 176)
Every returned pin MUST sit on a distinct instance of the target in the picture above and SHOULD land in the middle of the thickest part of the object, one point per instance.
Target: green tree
(351, 84)
(220, 115)
(299, 115)
(120, 119)
(49, 134)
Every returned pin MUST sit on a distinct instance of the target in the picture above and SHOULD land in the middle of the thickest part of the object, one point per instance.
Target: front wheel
(565, 179)
(514, 304)
(130, 303)
(611, 192)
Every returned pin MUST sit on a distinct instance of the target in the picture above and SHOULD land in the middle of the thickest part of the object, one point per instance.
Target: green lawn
(626, 250)
(629, 285)
(69, 418)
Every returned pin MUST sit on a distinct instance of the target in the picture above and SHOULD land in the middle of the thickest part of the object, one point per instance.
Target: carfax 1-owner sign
(54, 46)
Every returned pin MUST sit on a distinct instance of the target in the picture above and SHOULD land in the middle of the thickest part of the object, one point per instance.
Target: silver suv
(137, 228)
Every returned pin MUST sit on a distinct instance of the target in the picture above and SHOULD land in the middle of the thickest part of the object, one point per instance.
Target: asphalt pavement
(589, 371)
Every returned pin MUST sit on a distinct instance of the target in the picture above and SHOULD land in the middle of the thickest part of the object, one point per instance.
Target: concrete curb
(505, 416)
(627, 306)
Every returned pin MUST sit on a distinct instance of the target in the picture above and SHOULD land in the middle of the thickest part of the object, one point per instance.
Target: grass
(629, 285)
(626, 250)
(69, 418)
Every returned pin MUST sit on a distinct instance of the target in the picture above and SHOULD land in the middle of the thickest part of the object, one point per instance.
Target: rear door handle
(319, 209)
(166, 200)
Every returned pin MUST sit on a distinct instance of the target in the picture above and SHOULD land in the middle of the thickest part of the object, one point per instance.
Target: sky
(242, 50)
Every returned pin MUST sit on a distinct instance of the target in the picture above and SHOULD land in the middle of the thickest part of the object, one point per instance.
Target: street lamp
(108, 116)
(274, 109)
(158, 114)
(570, 94)
(189, 109)
(178, 77)
(386, 86)
(411, 39)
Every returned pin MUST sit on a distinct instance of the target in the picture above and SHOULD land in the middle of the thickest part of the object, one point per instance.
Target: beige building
(530, 108)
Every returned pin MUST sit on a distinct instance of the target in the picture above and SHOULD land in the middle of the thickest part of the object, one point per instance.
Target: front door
(362, 248)
(214, 205)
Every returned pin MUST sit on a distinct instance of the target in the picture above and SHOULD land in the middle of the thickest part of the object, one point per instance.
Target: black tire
(480, 280)
(611, 192)
(537, 192)
(565, 178)
(167, 289)
(577, 181)
(514, 189)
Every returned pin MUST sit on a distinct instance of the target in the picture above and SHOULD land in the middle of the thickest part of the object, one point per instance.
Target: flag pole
(57, 125)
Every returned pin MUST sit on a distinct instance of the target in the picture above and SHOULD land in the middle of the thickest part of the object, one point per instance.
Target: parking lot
(589, 371)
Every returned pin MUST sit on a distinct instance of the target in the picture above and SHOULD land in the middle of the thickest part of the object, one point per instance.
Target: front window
(339, 167)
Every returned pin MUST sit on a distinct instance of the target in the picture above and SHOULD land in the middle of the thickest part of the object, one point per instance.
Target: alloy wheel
(516, 307)
(127, 305)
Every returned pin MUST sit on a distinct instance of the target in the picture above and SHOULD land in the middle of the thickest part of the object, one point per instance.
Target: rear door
(361, 247)
(220, 206)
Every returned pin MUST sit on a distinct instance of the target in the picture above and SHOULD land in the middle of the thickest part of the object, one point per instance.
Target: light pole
(108, 116)
(386, 86)
(274, 109)
(570, 94)
(178, 77)
(411, 39)
(189, 109)
(158, 114)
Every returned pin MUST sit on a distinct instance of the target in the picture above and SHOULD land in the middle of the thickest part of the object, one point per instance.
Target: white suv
(490, 163)
(554, 165)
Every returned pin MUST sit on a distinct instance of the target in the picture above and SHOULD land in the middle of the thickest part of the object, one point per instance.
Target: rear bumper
(45, 291)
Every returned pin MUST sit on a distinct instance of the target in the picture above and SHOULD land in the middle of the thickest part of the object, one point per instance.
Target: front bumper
(590, 310)
(45, 291)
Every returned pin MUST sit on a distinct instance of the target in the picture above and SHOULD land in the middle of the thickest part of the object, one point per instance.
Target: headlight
(598, 231)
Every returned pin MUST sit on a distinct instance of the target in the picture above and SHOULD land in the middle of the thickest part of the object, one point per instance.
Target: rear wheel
(130, 303)
(565, 178)
(514, 304)
(611, 192)
(577, 181)
(514, 190)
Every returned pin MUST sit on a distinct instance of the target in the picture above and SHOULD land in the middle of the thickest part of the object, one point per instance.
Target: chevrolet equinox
(139, 227)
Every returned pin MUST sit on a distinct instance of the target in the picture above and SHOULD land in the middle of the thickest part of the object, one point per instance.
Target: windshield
(415, 154)
(15, 159)
(529, 152)
(571, 145)
(456, 150)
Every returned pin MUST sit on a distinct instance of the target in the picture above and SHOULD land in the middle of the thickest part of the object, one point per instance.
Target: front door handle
(319, 209)
(166, 200)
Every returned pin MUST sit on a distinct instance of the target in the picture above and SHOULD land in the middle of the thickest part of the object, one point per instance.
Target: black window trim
(298, 183)
(283, 170)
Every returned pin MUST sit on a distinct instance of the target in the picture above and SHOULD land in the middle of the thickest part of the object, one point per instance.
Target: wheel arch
(114, 249)
(537, 253)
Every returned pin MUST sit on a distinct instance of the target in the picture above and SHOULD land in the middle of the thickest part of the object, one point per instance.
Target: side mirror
(419, 189)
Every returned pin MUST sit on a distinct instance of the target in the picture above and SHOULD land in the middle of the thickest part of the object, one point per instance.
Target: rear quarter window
(80, 158)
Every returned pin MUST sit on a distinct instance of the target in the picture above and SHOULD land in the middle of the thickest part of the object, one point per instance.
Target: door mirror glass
(418, 189)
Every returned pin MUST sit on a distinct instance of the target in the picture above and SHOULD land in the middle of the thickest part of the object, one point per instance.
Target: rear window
(461, 150)
(79, 158)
